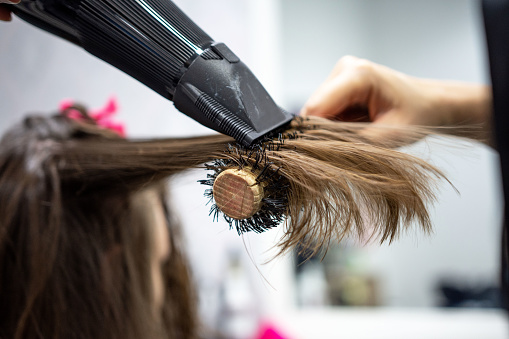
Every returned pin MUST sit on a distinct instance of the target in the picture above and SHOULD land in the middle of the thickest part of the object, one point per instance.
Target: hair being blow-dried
(332, 178)
(66, 191)
(336, 180)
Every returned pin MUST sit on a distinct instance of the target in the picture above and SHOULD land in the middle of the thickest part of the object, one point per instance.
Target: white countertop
(393, 323)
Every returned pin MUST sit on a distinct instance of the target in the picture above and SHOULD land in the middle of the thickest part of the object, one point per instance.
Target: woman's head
(85, 251)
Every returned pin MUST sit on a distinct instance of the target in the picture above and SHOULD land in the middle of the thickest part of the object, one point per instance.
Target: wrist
(463, 104)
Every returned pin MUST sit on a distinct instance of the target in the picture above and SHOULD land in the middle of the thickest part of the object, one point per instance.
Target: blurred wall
(431, 39)
(436, 39)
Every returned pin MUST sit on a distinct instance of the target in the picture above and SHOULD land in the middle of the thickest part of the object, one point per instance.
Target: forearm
(463, 105)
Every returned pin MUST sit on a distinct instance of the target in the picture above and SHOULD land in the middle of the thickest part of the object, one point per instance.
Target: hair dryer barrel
(156, 43)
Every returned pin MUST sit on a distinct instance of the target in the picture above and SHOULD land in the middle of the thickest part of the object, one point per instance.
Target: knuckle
(354, 66)
(345, 62)
(348, 59)
(352, 62)
(363, 66)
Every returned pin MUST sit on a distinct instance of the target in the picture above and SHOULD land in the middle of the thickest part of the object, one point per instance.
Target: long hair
(336, 179)
(75, 254)
(66, 203)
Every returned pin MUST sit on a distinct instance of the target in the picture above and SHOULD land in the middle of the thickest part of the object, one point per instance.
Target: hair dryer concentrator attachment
(156, 43)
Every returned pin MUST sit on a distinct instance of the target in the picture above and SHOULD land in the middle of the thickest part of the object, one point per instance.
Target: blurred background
(438, 286)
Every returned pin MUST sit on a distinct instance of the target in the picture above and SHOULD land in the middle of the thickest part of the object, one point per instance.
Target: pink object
(102, 116)
(268, 331)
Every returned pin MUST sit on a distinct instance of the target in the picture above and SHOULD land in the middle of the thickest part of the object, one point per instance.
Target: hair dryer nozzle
(156, 43)
(223, 94)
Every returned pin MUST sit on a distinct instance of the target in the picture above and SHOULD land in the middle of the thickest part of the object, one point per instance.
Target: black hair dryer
(156, 43)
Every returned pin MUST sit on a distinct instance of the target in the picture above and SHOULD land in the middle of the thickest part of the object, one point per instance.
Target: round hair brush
(248, 189)
(323, 180)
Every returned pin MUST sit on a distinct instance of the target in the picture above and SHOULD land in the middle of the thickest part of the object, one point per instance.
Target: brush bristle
(274, 206)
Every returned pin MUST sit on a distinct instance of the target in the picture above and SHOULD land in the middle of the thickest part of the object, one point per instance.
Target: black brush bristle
(276, 187)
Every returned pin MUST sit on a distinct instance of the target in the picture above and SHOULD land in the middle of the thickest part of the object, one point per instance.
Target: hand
(359, 90)
(5, 14)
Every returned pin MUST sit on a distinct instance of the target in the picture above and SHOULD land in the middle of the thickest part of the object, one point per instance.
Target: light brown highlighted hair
(74, 248)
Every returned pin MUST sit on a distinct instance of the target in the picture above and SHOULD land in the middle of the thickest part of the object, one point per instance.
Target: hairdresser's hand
(359, 90)
(5, 14)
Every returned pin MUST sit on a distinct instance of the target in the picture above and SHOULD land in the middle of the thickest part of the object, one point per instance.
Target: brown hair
(65, 201)
(74, 250)
(338, 179)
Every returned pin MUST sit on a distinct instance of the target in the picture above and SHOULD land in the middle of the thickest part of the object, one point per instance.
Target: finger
(355, 113)
(5, 14)
(347, 89)
(346, 62)
(390, 129)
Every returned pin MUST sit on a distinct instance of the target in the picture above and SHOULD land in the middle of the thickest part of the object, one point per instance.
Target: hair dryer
(156, 43)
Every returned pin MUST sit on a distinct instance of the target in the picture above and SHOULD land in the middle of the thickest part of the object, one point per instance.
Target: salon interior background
(292, 45)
